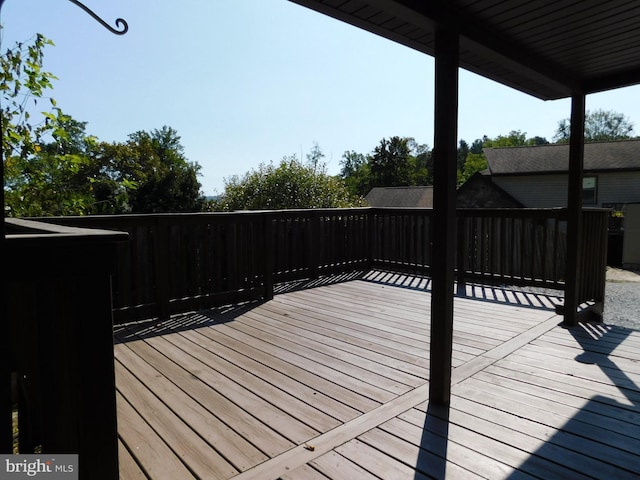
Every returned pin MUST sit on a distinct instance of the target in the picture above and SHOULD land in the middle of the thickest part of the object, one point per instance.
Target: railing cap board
(32, 232)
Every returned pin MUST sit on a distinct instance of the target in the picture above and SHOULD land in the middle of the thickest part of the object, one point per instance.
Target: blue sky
(249, 81)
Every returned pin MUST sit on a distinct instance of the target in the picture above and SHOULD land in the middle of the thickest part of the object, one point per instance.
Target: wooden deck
(332, 382)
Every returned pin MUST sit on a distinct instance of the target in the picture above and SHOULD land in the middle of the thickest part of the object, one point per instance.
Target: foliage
(314, 158)
(166, 181)
(399, 161)
(147, 174)
(289, 184)
(52, 167)
(390, 163)
(39, 180)
(599, 126)
(475, 160)
(22, 81)
(515, 138)
(355, 173)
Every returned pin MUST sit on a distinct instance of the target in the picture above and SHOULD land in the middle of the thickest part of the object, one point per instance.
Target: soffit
(547, 48)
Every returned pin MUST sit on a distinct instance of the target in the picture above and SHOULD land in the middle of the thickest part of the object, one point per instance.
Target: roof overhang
(547, 48)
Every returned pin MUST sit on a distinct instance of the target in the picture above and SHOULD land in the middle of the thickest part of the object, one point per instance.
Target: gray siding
(545, 191)
(619, 187)
(536, 191)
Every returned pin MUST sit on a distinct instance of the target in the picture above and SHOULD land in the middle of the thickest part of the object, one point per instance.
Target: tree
(599, 126)
(40, 179)
(289, 184)
(314, 158)
(152, 169)
(475, 160)
(52, 167)
(355, 173)
(399, 161)
(390, 164)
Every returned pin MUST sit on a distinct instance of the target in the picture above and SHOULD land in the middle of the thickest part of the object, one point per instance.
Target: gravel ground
(622, 299)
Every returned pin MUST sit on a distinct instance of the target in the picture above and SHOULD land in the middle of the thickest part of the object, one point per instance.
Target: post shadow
(601, 438)
(432, 457)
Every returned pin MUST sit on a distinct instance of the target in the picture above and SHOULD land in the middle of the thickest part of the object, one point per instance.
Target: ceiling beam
(611, 81)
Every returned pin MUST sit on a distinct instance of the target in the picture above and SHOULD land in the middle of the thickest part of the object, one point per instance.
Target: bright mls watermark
(51, 467)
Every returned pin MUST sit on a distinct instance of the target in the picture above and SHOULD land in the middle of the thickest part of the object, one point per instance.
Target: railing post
(313, 247)
(461, 255)
(269, 254)
(63, 344)
(6, 367)
(371, 237)
(162, 264)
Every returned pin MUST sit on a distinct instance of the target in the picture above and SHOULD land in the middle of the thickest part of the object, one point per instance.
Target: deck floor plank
(230, 368)
(150, 450)
(298, 387)
(376, 461)
(240, 452)
(332, 382)
(239, 391)
(265, 438)
(330, 356)
(334, 465)
(341, 346)
(202, 459)
(305, 472)
(128, 467)
(351, 379)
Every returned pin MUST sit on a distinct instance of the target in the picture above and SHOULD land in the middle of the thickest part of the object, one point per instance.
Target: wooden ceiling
(547, 48)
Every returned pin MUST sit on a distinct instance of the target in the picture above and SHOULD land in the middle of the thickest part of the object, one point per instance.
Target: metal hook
(120, 22)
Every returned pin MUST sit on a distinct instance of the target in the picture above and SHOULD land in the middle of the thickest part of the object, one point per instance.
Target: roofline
(637, 139)
(563, 172)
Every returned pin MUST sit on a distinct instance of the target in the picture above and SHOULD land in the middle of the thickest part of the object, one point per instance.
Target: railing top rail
(32, 231)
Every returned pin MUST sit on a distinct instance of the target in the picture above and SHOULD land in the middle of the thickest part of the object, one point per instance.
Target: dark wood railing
(521, 247)
(180, 262)
(66, 282)
(57, 371)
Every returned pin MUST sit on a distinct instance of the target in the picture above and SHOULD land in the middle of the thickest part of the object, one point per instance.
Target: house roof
(400, 197)
(479, 191)
(547, 48)
(601, 156)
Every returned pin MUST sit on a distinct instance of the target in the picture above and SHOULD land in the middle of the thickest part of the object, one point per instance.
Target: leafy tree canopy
(599, 126)
(289, 184)
(398, 161)
(475, 160)
(52, 167)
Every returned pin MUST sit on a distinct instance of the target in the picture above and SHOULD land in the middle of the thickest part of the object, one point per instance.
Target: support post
(444, 213)
(574, 203)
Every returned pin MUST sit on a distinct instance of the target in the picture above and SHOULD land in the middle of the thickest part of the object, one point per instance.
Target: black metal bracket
(120, 22)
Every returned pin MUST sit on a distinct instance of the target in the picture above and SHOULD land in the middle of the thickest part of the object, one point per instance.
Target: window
(589, 190)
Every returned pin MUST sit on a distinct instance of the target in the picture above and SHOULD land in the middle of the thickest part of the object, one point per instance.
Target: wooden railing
(66, 282)
(524, 247)
(182, 262)
(57, 371)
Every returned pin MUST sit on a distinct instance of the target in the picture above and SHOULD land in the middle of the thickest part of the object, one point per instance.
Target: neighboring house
(538, 176)
(477, 192)
(400, 197)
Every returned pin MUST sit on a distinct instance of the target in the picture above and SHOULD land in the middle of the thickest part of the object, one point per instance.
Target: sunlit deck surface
(332, 382)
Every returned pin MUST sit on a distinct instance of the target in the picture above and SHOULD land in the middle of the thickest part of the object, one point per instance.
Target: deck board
(332, 383)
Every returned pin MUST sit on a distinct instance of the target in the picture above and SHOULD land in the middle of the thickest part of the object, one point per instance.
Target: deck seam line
(324, 443)
(490, 357)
